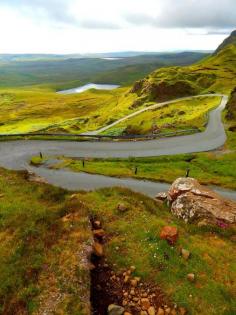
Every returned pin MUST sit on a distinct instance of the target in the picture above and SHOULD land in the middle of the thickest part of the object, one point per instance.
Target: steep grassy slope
(216, 73)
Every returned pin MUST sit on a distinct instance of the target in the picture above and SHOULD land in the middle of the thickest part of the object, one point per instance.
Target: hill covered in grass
(216, 73)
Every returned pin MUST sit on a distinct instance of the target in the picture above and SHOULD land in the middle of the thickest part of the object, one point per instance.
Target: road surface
(16, 155)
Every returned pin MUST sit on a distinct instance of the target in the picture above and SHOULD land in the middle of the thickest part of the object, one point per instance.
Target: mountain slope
(228, 41)
(216, 73)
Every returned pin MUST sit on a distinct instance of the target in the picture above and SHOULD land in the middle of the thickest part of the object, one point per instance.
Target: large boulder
(193, 202)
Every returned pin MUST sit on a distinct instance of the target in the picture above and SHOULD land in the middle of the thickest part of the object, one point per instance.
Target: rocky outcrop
(231, 106)
(163, 90)
(193, 202)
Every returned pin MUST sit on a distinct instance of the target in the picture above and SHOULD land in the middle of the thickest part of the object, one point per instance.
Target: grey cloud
(56, 11)
(97, 24)
(190, 14)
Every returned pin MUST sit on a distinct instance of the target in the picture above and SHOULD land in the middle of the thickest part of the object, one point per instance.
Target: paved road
(16, 154)
(82, 181)
(155, 106)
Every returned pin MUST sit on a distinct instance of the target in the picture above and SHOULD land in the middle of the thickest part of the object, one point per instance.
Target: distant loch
(88, 87)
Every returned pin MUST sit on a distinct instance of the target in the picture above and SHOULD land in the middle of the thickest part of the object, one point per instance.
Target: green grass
(38, 250)
(182, 115)
(38, 109)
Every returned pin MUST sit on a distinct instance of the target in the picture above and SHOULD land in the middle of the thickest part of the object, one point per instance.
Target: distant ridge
(229, 40)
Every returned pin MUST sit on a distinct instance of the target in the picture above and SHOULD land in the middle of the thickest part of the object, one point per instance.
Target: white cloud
(64, 26)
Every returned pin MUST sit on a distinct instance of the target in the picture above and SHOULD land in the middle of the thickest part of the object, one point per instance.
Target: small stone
(126, 279)
(191, 277)
(134, 282)
(144, 295)
(115, 309)
(132, 268)
(122, 207)
(203, 222)
(160, 311)
(91, 266)
(173, 312)
(127, 313)
(182, 311)
(162, 196)
(126, 294)
(137, 278)
(135, 299)
(125, 302)
(132, 292)
(143, 313)
(98, 249)
(167, 311)
(151, 310)
(169, 233)
(99, 233)
(185, 254)
(145, 304)
(97, 225)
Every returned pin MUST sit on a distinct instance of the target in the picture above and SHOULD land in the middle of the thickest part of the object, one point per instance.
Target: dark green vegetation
(45, 237)
(216, 73)
(231, 108)
(65, 73)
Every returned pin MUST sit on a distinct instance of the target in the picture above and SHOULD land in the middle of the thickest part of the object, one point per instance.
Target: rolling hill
(216, 73)
(61, 71)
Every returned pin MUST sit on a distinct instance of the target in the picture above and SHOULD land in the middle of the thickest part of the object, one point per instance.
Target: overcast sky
(79, 26)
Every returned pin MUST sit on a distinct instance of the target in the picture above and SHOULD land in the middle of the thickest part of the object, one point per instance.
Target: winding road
(151, 107)
(16, 155)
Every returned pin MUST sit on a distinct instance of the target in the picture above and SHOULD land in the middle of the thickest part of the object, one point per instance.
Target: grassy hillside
(182, 115)
(28, 110)
(216, 73)
(45, 238)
